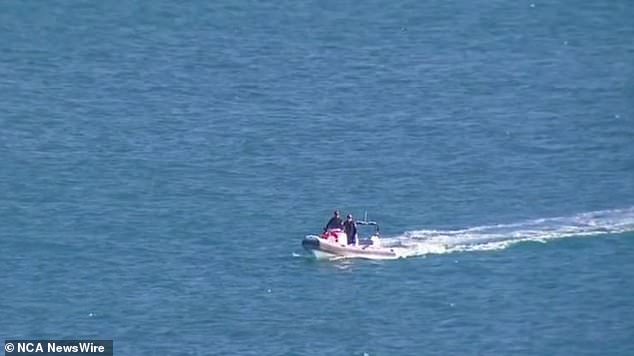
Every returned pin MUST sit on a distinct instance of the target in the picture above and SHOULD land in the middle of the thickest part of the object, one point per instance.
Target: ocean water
(160, 163)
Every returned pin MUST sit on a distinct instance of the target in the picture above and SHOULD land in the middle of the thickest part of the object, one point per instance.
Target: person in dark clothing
(350, 228)
(335, 222)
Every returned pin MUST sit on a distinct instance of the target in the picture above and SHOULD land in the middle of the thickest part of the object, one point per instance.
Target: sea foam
(496, 237)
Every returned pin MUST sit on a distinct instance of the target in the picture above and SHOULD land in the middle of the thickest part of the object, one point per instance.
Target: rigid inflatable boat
(333, 244)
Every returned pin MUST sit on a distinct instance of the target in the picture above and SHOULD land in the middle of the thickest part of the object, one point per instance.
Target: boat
(333, 244)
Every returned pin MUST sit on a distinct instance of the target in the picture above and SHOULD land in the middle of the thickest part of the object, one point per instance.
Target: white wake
(495, 237)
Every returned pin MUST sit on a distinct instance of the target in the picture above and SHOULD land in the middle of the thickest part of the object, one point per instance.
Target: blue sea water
(161, 161)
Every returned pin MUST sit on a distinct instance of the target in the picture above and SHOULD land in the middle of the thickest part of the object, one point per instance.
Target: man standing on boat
(350, 228)
(335, 222)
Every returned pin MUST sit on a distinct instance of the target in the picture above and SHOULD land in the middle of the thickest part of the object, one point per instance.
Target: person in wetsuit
(350, 228)
(335, 222)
